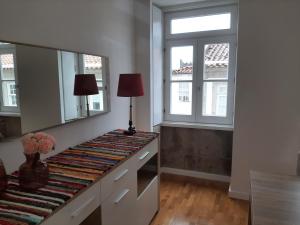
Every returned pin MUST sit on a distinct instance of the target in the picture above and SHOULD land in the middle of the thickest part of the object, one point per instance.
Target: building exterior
(214, 93)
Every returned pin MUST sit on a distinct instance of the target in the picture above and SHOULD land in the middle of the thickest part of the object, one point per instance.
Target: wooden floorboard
(191, 201)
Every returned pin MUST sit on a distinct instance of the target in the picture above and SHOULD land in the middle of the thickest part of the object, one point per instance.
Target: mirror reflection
(37, 88)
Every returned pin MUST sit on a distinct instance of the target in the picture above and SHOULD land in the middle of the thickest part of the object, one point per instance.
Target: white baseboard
(238, 195)
(196, 174)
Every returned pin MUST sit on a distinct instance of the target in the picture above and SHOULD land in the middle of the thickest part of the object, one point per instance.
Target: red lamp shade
(130, 85)
(85, 84)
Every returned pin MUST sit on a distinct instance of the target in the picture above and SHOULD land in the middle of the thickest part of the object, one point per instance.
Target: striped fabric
(70, 172)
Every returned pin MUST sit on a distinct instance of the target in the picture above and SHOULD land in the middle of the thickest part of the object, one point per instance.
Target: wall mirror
(37, 88)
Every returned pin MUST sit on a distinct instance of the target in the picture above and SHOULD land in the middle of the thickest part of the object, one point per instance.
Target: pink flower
(40, 135)
(38, 142)
(52, 140)
(30, 144)
(45, 145)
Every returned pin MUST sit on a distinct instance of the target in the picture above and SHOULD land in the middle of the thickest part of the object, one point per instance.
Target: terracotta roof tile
(216, 56)
(92, 62)
(183, 70)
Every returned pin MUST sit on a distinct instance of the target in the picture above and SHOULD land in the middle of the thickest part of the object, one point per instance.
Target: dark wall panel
(200, 150)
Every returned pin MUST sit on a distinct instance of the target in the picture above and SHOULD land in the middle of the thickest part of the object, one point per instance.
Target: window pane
(7, 67)
(182, 63)
(9, 93)
(99, 84)
(201, 23)
(93, 65)
(214, 99)
(216, 61)
(96, 101)
(181, 98)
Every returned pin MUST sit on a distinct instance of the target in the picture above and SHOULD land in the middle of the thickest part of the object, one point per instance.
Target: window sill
(197, 125)
(10, 114)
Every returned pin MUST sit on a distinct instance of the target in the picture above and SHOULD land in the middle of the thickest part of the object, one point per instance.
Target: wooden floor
(190, 201)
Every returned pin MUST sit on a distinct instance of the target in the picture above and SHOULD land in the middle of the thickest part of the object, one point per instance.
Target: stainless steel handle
(122, 195)
(122, 174)
(77, 211)
(144, 155)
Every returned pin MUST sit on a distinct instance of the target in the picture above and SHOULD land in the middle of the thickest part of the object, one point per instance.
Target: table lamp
(130, 85)
(85, 85)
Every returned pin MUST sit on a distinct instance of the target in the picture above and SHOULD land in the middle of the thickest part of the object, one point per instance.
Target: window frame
(168, 115)
(9, 49)
(232, 9)
(228, 120)
(199, 40)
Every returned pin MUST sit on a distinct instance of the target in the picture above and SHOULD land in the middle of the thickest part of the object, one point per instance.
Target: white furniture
(116, 195)
(275, 199)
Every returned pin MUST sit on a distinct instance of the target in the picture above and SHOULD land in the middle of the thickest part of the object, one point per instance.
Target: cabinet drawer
(146, 153)
(78, 209)
(117, 179)
(118, 209)
(147, 203)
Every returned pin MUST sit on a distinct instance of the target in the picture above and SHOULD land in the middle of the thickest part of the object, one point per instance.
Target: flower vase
(33, 174)
(3, 177)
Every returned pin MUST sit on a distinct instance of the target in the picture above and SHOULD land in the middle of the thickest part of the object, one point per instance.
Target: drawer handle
(144, 155)
(82, 207)
(122, 174)
(122, 195)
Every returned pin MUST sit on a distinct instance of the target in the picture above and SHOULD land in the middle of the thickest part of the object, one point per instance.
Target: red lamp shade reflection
(85, 84)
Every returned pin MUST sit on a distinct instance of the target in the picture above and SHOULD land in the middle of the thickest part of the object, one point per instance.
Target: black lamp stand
(87, 105)
(131, 129)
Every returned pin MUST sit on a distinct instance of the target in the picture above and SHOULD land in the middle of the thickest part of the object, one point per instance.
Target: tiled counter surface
(71, 172)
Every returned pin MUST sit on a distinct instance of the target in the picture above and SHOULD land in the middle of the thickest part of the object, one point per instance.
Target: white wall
(267, 116)
(143, 59)
(103, 27)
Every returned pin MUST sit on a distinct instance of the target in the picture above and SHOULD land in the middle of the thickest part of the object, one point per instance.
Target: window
(201, 23)
(96, 65)
(181, 80)
(8, 88)
(11, 89)
(200, 66)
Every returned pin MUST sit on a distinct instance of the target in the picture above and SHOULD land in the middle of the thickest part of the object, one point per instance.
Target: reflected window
(8, 86)
(94, 65)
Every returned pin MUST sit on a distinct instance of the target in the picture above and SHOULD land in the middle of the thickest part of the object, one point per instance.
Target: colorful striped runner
(70, 172)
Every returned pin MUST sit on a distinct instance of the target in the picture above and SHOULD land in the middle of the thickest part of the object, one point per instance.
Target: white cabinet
(78, 209)
(147, 203)
(125, 206)
(120, 187)
(118, 178)
(117, 195)
(118, 209)
(146, 153)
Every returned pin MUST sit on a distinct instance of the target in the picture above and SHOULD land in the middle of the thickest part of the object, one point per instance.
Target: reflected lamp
(85, 85)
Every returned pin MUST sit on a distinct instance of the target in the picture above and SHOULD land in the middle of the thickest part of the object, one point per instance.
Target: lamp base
(131, 129)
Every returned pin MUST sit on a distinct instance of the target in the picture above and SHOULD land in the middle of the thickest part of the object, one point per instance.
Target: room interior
(160, 112)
